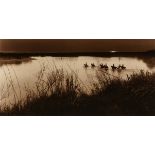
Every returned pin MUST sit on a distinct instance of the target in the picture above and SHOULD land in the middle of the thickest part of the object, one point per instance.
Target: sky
(76, 45)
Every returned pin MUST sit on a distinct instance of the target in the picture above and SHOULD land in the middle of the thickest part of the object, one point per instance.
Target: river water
(23, 71)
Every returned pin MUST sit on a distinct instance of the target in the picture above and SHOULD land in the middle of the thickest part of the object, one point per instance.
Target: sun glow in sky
(113, 51)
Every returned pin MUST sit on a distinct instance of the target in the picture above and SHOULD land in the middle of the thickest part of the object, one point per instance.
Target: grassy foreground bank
(62, 94)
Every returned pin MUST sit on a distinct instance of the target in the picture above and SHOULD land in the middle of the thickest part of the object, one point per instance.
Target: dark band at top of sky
(77, 45)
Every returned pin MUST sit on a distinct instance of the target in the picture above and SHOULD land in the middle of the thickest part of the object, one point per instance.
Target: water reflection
(149, 61)
(23, 71)
(14, 60)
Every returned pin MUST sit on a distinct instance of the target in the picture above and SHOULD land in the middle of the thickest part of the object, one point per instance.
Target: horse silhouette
(86, 65)
(93, 65)
(104, 66)
(113, 67)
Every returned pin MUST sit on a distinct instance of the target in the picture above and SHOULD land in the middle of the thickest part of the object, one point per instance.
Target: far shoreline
(76, 54)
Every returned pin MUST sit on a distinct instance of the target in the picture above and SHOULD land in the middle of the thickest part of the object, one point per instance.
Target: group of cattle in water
(106, 67)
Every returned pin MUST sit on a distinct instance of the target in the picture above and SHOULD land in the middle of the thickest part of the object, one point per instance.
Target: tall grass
(60, 93)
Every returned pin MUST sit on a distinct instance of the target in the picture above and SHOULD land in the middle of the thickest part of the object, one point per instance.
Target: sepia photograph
(77, 77)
